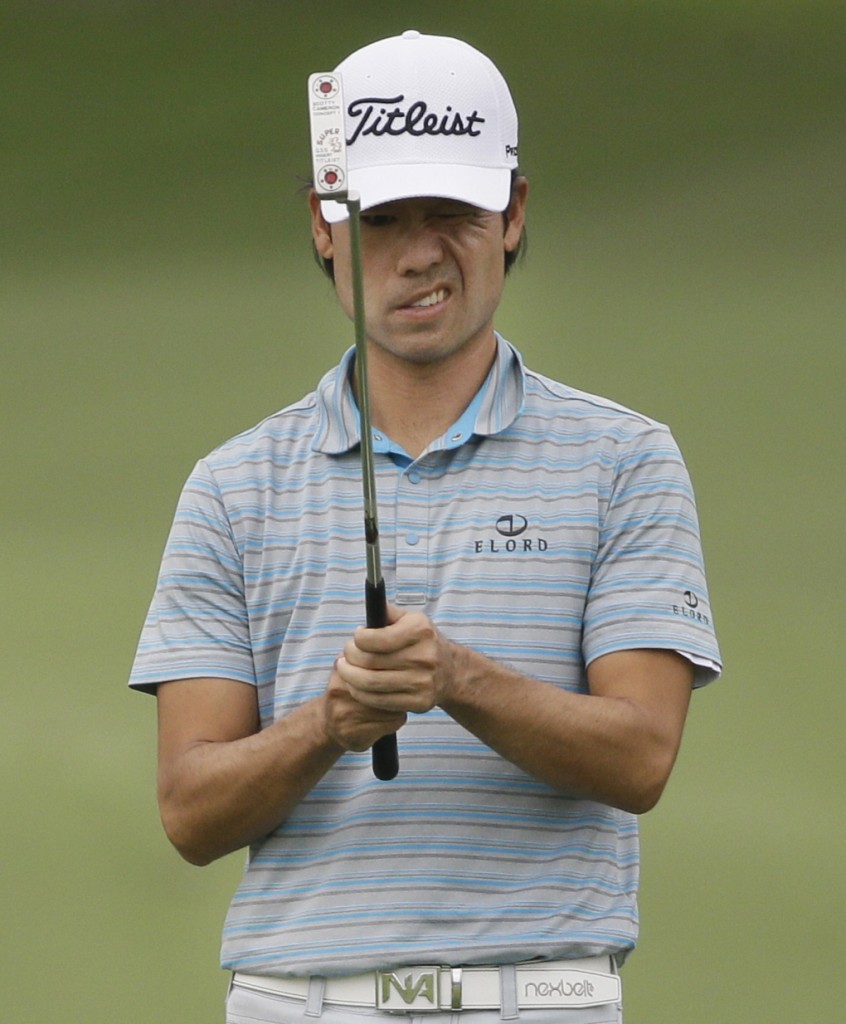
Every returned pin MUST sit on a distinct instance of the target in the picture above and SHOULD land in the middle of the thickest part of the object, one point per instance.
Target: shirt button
(414, 477)
(412, 539)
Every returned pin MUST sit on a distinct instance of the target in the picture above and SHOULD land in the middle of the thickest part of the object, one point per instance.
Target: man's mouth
(430, 300)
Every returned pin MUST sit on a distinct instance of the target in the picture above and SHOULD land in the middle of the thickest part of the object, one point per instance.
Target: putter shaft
(385, 755)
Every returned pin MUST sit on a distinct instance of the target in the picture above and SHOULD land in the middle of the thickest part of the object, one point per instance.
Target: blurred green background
(687, 244)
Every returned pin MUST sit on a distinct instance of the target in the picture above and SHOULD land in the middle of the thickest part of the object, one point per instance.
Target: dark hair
(328, 266)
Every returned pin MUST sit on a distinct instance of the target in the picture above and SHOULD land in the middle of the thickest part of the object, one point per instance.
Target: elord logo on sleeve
(690, 609)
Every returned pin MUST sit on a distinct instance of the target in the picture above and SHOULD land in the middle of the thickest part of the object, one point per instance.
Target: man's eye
(469, 213)
(377, 220)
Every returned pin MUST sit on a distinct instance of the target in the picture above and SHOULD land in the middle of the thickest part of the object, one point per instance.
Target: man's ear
(321, 231)
(516, 214)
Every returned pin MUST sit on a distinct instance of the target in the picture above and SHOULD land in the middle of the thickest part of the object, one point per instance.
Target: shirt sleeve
(197, 625)
(648, 587)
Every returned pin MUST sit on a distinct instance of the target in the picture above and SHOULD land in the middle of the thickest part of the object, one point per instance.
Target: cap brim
(485, 187)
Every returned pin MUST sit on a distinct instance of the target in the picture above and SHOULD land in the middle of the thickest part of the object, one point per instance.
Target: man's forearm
(608, 748)
(219, 796)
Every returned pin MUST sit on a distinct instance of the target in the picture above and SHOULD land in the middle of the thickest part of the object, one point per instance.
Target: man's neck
(415, 403)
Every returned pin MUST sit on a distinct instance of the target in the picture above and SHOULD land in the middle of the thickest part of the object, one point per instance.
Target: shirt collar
(493, 409)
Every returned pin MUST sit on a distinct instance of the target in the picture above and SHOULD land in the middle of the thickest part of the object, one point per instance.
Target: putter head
(328, 135)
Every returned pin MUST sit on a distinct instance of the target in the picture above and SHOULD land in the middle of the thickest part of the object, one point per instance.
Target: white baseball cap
(426, 116)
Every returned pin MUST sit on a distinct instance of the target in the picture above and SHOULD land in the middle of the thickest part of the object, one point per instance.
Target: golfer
(548, 619)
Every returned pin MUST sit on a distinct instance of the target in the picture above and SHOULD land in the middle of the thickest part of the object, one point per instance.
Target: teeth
(430, 300)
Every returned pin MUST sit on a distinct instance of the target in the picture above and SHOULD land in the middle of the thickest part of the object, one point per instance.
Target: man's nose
(421, 248)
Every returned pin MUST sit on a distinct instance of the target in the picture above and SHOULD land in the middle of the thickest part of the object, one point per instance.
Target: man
(548, 619)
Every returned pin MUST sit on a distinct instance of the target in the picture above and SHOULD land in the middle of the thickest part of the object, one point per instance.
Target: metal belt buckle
(415, 990)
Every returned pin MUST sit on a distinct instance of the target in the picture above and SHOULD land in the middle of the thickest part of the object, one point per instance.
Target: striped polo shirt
(547, 527)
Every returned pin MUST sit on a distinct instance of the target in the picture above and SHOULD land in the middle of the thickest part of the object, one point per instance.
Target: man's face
(433, 273)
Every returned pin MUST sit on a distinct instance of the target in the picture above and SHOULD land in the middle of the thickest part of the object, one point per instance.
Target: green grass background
(687, 248)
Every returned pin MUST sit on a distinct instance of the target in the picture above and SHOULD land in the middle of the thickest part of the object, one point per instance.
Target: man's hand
(351, 723)
(406, 667)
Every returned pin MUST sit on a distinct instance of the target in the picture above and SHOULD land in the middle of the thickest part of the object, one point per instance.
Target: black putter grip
(384, 753)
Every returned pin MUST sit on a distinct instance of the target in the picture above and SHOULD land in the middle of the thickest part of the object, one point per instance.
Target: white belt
(541, 983)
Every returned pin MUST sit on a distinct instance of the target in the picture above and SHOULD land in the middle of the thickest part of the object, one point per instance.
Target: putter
(329, 160)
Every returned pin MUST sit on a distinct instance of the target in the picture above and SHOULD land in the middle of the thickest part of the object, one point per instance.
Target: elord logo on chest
(512, 535)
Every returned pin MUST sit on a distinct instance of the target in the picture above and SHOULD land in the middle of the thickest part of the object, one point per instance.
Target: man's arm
(616, 744)
(224, 782)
